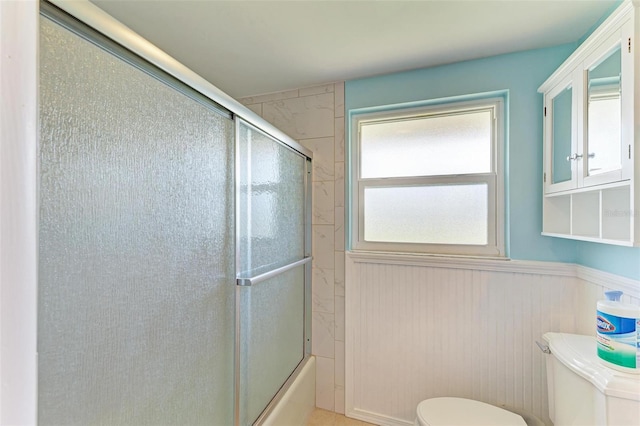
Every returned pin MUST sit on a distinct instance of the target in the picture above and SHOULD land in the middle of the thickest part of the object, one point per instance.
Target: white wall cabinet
(591, 110)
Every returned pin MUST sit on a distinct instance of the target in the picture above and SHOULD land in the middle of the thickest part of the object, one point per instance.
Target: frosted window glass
(136, 267)
(272, 195)
(272, 342)
(427, 146)
(448, 214)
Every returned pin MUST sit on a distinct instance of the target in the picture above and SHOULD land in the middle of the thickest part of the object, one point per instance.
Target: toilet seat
(464, 412)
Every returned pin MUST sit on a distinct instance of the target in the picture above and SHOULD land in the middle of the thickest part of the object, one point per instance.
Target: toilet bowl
(448, 411)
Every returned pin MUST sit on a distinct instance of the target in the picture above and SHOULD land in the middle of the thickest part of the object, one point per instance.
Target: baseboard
(376, 419)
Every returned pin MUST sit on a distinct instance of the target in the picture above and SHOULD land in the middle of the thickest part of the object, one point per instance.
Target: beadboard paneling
(416, 331)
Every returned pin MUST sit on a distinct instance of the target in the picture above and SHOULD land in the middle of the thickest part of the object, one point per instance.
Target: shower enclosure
(174, 238)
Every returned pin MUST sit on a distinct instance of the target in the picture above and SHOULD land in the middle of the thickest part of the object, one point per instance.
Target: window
(429, 179)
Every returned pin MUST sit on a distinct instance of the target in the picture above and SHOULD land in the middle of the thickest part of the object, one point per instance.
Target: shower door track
(92, 16)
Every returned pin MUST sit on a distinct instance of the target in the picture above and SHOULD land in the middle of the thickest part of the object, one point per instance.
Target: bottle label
(611, 324)
(618, 339)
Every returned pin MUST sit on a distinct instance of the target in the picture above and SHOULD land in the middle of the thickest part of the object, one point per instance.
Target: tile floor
(320, 417)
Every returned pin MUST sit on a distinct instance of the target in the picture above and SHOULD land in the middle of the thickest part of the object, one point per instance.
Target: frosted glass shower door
(272, 266)
(136, 243)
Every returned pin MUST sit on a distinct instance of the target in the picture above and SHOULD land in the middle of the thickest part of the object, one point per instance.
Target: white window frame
(495, 246)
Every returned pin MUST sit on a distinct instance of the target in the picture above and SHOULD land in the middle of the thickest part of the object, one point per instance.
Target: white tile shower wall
(314, 116)
(465, 329)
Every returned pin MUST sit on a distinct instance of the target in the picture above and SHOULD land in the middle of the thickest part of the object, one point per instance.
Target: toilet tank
(584, 391)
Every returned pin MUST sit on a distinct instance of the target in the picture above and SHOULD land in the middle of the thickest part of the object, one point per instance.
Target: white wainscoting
(420, 327)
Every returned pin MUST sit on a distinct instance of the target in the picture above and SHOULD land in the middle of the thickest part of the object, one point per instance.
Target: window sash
(493, 180)
(490, 249)
(444, 113)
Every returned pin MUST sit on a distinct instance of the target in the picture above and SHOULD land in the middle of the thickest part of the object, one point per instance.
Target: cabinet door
(560, 136)
(608, 112)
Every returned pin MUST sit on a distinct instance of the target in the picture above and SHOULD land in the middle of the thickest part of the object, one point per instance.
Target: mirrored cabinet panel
(604, 127)
(561, 135)
(591, 167)
(562, 106)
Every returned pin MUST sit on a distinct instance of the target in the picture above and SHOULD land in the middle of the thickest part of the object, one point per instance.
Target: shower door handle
(263, 277)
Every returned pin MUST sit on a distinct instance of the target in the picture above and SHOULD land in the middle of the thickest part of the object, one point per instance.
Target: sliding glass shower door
(272, 266)
(136, 276)
(174, 244)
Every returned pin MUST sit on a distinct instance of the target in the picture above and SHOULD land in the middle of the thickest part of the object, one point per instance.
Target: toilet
(582, 391)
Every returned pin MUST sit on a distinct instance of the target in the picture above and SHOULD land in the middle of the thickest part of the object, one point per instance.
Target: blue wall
(518, 75)
(618, 260)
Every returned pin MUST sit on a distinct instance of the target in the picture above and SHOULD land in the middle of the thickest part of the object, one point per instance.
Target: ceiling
(256, 47)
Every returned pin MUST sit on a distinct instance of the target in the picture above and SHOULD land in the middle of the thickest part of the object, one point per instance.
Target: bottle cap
(613, 295)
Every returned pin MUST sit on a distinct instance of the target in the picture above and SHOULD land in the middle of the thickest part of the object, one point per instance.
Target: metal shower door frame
(250, 281)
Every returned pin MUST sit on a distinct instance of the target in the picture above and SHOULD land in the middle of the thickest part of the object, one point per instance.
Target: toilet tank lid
(448, 411)
(579, 354)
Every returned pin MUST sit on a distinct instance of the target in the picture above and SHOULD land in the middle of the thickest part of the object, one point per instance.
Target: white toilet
(585, 391)
(582, 391)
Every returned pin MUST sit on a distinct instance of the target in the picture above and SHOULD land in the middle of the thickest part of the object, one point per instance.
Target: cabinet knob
(574, 157)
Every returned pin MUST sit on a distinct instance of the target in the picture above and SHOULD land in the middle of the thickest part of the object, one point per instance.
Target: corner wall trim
(629, 286)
